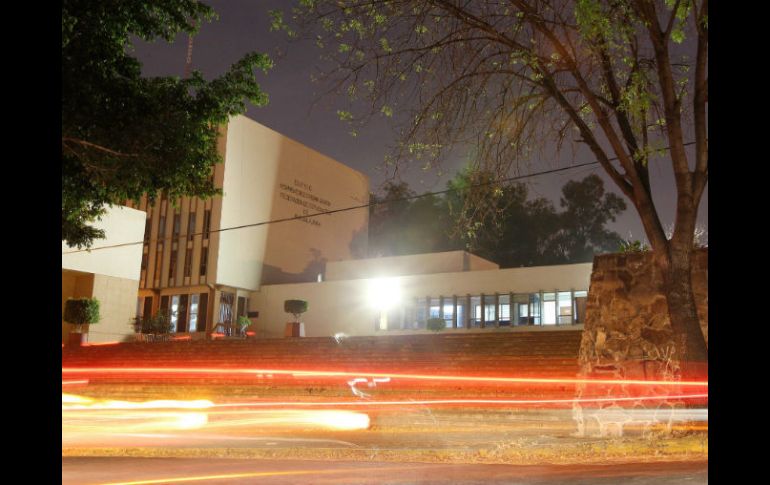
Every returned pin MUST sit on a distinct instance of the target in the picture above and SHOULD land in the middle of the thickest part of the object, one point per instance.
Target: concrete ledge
(522, 328)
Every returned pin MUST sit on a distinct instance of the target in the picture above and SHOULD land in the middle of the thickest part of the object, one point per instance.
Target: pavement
(128, 471)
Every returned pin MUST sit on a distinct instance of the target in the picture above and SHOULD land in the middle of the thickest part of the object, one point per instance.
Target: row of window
(188, 262)
(509, 309)
(187, 313)
(177, 225)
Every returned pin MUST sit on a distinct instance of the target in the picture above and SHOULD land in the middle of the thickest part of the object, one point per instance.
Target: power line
(362, 206)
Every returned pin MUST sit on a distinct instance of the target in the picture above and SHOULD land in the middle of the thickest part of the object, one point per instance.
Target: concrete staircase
(548, 354)
(552, 353)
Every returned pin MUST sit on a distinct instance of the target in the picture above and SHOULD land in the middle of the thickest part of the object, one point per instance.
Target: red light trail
(181, 371)
(461, 401)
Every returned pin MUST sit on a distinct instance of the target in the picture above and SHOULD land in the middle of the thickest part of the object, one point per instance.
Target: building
(207, 263)
(202, 260)
(110, 275)
(399, 294)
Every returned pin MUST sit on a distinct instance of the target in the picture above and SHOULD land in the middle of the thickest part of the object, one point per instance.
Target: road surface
(125, 471)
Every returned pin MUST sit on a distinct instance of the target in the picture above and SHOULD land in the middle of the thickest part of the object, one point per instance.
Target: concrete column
(468, 310)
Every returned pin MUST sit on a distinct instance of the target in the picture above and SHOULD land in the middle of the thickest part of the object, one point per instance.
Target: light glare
(384, 293)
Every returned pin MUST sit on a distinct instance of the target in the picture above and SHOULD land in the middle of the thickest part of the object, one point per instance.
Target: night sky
(298, 110)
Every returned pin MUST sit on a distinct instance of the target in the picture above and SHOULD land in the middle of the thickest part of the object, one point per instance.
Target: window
(147, 229)
(147, 311)
(476, 313)
(581, 297)
(204, 261)
(421, 313)
(202, 312)
(164, 310)
(549, 308)
(162, 227)
(226, 301)
(448, 313)
(191, 226)
(181, 325)
(435, 308)
(206, 223)
(172, 267)
(144, 261)
(158, 261)
(565, 308)
(489, 309)
(243, 306)
(535, 302)
(174, 312)
(505, 310)
(188, 262)
(194, 299)
(177, 223)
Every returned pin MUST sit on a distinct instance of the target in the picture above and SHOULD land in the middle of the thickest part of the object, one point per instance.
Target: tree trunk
(677, 286)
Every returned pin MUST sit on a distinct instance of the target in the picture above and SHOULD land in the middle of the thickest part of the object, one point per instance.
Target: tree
(399, 225)
(625, 78)
(524, 232)
(124, 136)
(81, 311)
(587, 210)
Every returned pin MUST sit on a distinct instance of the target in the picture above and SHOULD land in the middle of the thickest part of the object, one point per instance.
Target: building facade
(110, 272)
(399, 294)
(202, 259)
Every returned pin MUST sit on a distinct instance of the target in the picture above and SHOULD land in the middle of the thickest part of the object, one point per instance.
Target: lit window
(174, 312)
(194, 313)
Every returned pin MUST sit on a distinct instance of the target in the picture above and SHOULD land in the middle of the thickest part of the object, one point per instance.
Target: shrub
(436, 324)
(157, 324)
(81, 311)
(295, 307)
(633, 247)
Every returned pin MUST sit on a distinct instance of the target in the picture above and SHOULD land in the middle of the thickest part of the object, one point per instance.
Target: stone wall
(627, 333)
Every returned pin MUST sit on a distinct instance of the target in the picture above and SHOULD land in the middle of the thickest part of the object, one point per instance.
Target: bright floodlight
(384, 293)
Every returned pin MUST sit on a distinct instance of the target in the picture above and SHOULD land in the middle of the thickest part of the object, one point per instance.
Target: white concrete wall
(117, 308)
(309, 183)
(343, 306)
(252, 155)
(121, 225)
(415, 264)
(267, 177)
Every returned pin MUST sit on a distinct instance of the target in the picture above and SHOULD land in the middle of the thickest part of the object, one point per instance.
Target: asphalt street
(126, 470)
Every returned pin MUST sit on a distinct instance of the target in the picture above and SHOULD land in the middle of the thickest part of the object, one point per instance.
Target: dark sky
(298, 110)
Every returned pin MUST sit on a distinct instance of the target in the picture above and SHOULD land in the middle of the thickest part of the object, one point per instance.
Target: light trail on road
(232, 476)
(428, 402)
(168, 372)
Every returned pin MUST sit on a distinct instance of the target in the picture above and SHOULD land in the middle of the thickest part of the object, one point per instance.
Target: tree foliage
(624, 78)
(295, 307)
(524, 232)
(124, 135)
(81, 311)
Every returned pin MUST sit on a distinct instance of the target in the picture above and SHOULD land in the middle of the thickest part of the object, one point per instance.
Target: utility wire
(362, 206)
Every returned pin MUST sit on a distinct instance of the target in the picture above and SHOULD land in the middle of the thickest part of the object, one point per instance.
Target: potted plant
(296, 308)
(243, 323)
(79, 312)
(435, 324)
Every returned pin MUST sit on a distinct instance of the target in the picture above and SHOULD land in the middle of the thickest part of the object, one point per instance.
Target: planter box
(75, 339)
(294, 329)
